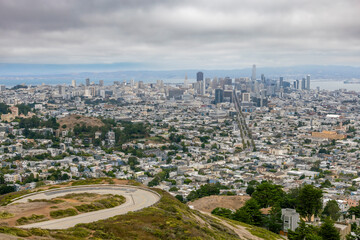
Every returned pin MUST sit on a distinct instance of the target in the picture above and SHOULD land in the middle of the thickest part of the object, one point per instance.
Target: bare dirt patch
(207, 204)
(72, 120)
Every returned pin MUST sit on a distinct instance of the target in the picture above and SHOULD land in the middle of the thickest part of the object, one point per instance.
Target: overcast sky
(172, 34)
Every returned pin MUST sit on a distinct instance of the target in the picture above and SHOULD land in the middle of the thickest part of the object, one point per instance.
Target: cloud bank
(181, 34)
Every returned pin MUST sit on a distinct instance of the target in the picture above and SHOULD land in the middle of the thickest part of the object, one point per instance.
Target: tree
(180, 198)
(249, 213)
(354, 211)
(304, 232)
(309, 201)
(273, 222)
(268, 194)
(223, 212)
(332, 210)
(326, 184)
(250, 190)
(328, 231)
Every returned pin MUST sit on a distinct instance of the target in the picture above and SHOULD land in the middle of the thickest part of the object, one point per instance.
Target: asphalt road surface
(136, 199)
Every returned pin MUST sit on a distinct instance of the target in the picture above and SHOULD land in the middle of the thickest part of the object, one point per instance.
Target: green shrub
(88, 207)
(53, 201)
(15, 231)
(39, 232)
(63, 213)
(33, 218)
(5, 215)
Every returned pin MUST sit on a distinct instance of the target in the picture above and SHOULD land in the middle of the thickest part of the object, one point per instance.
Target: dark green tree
(304, 232)
(249, 213)
(328, 231)
(273, 221)
(250, 190)
(332, 210)
(223, 212)
(309, 201)
(268, 194)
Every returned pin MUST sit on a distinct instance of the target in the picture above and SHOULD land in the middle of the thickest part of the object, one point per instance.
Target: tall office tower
(93, 91)
(132, 83)
(207, 82)
(227, 81)
(308, 82)
(294, 85)
(102, 93)
(219, 95)
(246, 97)
(2, 88)
(303, 85)
(253, 76)
(200, 76)
(87, 82)
(262, 78)
(297, 84)
(101, 83)
(61, 90)
(202, 87)
(186, 83)
(281, 82)
(73, 83)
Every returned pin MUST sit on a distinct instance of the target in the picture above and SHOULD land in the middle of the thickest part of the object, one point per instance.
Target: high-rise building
(219, 95)
(186, 83)
(227, 81)
(281, 84)
(246, 97)
(93, 91)
(73, 83)
(101, 83)
(297, 84)
(202, 87)
(61, 90)
(262, 78)
(303, 84)
(87, 82)
(2, 88)
(200, 76)
(102, 93)
(308, 82)
(253, 75)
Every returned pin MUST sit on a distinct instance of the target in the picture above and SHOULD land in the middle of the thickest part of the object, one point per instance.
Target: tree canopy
(309, 201)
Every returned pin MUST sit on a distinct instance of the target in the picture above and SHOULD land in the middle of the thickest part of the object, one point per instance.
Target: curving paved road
(136, 199)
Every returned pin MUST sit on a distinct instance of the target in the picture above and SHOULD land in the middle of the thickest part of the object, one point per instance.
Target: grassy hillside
(168, 219)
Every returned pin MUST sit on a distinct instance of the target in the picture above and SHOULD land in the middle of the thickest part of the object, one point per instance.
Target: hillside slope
(168, 219)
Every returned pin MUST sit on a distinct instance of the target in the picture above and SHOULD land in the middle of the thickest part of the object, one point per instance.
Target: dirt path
(241, 231)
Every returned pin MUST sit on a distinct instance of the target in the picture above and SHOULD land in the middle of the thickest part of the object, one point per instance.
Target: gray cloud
(181, 34)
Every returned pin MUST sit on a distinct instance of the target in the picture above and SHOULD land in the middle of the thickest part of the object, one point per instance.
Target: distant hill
(57, 74)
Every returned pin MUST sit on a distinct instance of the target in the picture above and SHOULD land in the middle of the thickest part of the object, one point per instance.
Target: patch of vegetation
(32, 219)
(80, 196)
(53, 201)
(110, 202)
(258, 231)
(63, 213)
(90, 181)
(7, 198)
(5, 215)
(168, 219)
(15, 231)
